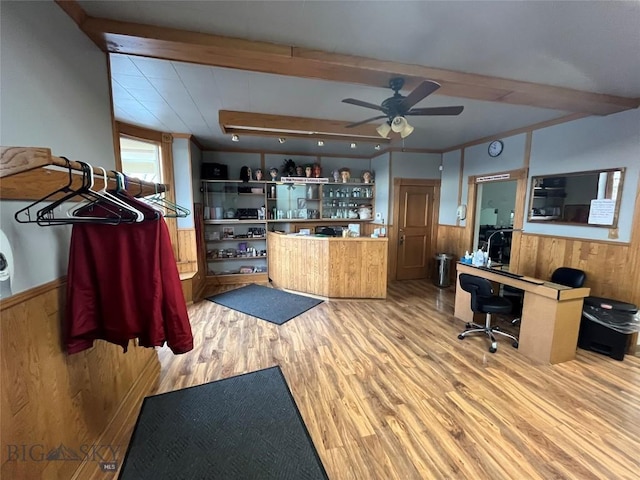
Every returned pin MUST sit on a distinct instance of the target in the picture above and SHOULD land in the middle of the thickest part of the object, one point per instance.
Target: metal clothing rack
(28, 173)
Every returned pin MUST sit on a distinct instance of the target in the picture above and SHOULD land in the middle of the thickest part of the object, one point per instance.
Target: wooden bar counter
(332, 267)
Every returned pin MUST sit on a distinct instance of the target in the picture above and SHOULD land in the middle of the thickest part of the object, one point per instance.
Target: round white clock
(495, 148)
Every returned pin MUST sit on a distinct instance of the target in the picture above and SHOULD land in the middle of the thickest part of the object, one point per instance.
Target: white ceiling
(592, 46)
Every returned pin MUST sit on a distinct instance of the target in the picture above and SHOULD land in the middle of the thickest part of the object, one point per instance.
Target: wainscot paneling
(452, 239)
(187, 258)
(609, 271)
(61, 406)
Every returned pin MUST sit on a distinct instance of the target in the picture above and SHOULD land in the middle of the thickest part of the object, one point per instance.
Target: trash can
(606, 326)
(442, 277)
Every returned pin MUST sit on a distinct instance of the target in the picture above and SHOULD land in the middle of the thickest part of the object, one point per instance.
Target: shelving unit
(234, 228)
(341, 201)
(270, 206)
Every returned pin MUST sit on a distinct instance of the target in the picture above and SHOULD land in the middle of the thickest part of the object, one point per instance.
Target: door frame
(393, 228)
(521, 176)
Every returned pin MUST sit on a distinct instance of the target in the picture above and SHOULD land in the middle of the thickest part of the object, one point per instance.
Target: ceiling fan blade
(436, 111)
(365, 121)
(421, 91)
(360, 103)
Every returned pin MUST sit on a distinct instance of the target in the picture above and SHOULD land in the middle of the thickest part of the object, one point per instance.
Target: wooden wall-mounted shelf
(29, 173)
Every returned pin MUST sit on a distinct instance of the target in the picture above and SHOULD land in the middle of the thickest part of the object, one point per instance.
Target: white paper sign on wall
(602, 212)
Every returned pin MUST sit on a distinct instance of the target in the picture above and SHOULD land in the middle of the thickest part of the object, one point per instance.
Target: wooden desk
(550, 319)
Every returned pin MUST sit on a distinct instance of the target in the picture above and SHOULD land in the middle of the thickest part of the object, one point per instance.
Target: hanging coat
(123, 283)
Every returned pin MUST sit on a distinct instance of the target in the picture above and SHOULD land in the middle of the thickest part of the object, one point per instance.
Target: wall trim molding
(299, 154)
(576, 239)
(27, 295)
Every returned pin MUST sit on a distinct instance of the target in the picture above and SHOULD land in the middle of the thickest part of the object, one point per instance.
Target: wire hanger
(170, 209)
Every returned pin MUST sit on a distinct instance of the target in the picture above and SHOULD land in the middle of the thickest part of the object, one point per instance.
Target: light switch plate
(378, 216)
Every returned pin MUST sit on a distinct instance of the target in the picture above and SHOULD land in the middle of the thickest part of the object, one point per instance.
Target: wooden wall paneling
(451, 239)
(187, 287)
(603, 263)
(187, 250)
(118, 431)
(50, 398)
(304, 270)
(363, 271)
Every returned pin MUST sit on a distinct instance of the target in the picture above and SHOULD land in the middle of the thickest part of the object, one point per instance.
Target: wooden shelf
(224, 259)
(29, 173)
(232, 221)
(238, 278)
(235, 239)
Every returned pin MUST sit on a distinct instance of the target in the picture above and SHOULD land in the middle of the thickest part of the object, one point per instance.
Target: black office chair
(484, 301)
(567, 276)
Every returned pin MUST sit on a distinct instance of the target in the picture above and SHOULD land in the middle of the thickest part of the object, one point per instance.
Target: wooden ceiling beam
(215, 50)
(296, 127)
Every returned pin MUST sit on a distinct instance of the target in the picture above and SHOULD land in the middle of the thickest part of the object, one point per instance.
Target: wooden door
(415, 230)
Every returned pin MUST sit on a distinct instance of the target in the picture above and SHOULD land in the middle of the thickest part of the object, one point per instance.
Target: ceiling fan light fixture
(235, 138)
(321, 143)
(354, 144)
(398, 124)
(377, 147)
(383, 130)
(406, 131)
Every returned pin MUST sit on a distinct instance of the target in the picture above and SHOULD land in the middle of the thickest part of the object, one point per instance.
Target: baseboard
(118, 431)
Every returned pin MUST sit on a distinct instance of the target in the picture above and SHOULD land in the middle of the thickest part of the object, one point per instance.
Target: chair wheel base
(515, 344)
(461, 337)
(493, 349)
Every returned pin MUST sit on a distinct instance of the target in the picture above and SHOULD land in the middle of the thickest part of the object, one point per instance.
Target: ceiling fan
(398, 106)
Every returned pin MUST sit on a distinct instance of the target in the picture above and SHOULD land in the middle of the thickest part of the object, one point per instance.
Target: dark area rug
(266, 303)
(245, 427)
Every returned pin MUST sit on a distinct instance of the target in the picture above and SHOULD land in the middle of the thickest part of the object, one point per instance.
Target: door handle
(401, 239)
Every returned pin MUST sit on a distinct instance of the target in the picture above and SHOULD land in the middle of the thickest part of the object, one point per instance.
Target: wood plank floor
(388, 391)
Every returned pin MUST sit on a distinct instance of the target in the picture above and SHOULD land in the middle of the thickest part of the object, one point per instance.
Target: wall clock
(495, 148)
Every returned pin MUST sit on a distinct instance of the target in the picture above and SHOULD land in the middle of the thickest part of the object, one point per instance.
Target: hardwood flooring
(387, 391)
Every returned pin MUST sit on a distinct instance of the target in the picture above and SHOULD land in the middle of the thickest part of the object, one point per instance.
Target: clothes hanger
(46, 216)
(25, 215)
(95, 212)
(120, 191)
(170, 209)
(106, 196)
